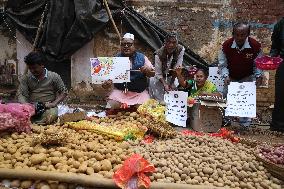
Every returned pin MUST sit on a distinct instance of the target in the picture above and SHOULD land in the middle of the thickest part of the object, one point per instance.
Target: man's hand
(49, 105)
(167, 88)
(178, 71)
(205, 94)
(107, 84)
(227, 80)
(147, 71)
(258, 81)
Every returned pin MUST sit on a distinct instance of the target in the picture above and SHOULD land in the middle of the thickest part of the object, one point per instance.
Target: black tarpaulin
(69, 24)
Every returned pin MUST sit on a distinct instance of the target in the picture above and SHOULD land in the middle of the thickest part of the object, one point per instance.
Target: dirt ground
(258, 133)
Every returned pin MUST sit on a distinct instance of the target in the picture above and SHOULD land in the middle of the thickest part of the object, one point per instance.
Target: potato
(26, 184)
(37, 158)
(45, 187)
(208, 170)
(106, 165)
(116, 167)
(109, 175)
(62, 186)
(97, 167)
(77, 154)
(15, 183)
(55, 160)
(56, 154)
(90, 171)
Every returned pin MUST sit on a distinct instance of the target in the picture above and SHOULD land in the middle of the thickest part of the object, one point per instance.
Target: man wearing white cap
(135, 91)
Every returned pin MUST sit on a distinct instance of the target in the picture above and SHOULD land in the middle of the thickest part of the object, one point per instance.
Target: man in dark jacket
(236, 60)
(277, 49)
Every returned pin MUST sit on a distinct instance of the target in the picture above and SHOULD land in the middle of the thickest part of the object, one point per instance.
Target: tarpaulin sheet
(69, 24)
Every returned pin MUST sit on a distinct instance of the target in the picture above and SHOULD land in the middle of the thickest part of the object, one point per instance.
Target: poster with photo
(176, 112)
(113, 68)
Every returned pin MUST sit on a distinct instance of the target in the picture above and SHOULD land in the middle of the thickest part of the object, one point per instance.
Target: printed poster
(176, 112)
(113, 68)
(216, 78)
(241, 99)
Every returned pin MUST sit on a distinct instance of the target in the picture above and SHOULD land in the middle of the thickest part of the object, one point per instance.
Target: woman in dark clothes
(277, 49)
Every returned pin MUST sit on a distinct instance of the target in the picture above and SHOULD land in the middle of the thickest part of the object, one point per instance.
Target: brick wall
(204, 25)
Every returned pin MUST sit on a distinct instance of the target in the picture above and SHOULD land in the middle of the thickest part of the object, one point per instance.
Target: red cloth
(240, 63)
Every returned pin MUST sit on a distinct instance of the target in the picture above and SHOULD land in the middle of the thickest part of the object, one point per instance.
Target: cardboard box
(206, 116)
(71, 117)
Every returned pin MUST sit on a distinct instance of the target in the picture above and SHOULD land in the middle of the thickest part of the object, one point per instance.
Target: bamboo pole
(38, 32)
(84, 180)
(111, 18)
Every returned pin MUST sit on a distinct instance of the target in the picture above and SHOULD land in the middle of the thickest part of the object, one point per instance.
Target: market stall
(97, 151)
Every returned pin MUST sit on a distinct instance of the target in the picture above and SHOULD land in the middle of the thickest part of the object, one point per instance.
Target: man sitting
(134, 92)
(43, 88)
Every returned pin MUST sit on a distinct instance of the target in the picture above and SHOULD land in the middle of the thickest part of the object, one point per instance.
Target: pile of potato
(208, 161)
(25, 184)
(84, 153)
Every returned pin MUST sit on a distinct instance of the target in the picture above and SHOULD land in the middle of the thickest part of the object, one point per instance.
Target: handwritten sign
(216, 78)
(113, 68)
(241, 99)
(176, 112)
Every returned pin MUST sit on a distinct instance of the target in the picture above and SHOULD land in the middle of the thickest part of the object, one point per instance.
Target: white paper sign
(241, 99)
(113, 68)
(216, 78)
(176, 112)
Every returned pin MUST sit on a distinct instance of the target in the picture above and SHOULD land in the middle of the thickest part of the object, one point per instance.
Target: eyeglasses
(126, 44)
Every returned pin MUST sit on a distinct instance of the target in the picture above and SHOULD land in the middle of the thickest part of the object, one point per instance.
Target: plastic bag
(20, 115)
(132, 173)
(226, 134)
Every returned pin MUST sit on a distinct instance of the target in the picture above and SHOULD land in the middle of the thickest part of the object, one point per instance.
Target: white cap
(128, 36)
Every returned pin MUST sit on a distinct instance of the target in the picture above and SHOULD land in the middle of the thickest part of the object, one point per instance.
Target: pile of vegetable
(84, 152)
(206, 160)
(26, 184)
(274, 154)
(118, 126)
(155, 120)
(153, 109)
(126, 125)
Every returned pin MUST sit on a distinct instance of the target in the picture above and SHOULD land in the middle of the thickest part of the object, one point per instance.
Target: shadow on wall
(63, 69)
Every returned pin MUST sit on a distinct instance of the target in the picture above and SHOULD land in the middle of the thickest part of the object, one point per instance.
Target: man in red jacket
(236, 60)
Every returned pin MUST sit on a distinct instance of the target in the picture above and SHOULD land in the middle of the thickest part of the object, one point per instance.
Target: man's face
(240, 35)
(37, 70)
(127, 47)
(171, 44)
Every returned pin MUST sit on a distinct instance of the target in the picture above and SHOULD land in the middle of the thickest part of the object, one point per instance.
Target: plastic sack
(132, 173)
(19, 118)
(226, 134)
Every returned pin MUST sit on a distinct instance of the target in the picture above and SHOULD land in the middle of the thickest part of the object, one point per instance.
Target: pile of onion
(274, 154)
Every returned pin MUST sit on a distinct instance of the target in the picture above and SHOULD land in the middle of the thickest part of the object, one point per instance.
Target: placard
(113, 68)
(176, 112)
(241, 99)
(216, 78)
